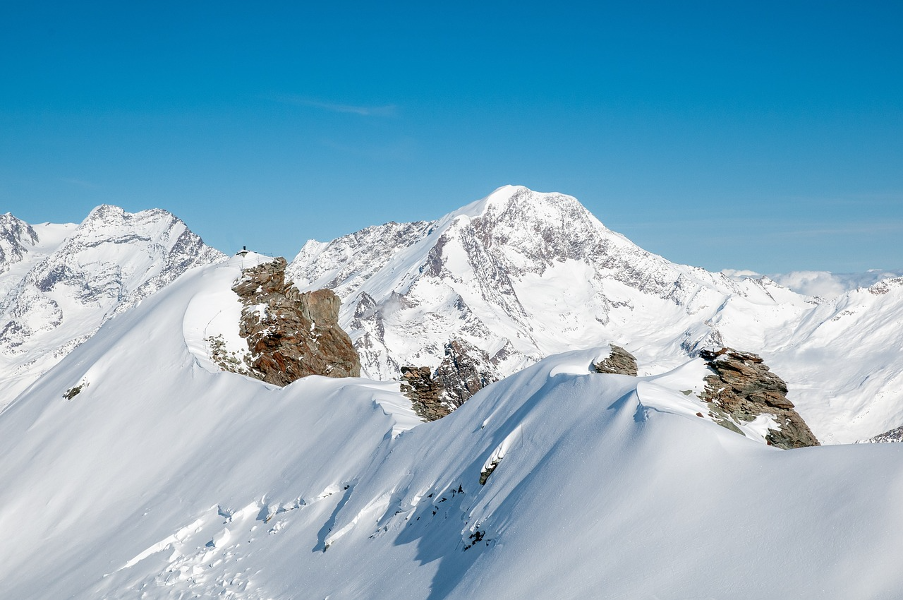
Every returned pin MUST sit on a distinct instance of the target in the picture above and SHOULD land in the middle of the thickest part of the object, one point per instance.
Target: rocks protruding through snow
(619, 361)
(742, 388)
(425, 393)
(292, 335)
(465, 370)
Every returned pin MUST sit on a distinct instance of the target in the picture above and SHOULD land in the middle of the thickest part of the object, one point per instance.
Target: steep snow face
(163, 478)
(59, 283)
(523, 275)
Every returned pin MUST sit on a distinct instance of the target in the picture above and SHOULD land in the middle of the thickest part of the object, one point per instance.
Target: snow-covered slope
(523, 275)
(165, 478)
(59, 283)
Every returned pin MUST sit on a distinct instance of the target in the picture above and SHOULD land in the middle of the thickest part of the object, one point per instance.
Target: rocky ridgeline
(742, 388)
(464, 371)
(292, 334)
(895, 435)
(619, 362)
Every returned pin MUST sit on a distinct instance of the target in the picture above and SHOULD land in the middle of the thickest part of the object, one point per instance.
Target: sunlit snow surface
(166, 479)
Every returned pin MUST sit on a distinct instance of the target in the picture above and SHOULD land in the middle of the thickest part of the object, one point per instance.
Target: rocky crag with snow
(465, 370)
(290, 334)
(425, 393)
(742, 388)
(60, 283)
(521, 275)
(619, 361)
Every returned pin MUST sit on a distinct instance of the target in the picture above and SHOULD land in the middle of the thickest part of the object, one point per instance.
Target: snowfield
(164, 478)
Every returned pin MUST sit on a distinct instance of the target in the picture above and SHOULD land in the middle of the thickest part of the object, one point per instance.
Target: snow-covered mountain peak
(520, 275)
(16, 236)
(491, 274)
(500, 196)
(76, 277)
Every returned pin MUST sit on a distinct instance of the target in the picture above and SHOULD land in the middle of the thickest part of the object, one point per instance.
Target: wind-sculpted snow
(61, 282)
(166, 478)
(522, 275)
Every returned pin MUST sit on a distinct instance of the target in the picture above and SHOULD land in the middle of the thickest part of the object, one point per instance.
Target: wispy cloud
(388, 110)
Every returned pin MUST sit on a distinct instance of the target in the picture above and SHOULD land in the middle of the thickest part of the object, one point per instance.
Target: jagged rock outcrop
(619, 361)
(292, 334)
(465, 370)
(743, 388)
(424, 392)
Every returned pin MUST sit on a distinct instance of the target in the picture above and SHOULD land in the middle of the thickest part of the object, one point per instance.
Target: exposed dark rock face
(890, 436)
(465, 370)
(619, 361)
(292, 334)
(425, 393)
(742, 388)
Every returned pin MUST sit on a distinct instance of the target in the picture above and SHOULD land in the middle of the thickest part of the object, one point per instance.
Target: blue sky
(763, 136)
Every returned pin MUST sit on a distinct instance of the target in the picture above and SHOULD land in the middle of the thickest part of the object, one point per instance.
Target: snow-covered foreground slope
(522, 275)
(59, 283)
(164, 478)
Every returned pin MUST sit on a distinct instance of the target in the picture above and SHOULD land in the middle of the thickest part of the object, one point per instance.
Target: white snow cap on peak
(503, 196)
(498, 196)
(105, 211)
